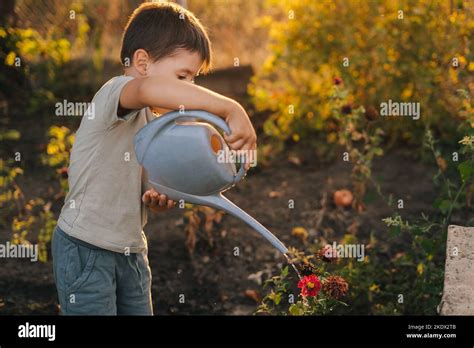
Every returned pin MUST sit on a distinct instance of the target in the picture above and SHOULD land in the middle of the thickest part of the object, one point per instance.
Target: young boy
(99, 249)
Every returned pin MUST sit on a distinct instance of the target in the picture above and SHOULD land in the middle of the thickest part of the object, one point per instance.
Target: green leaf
(271, 296)
(295, 310)
(463, 93)
(394, 231)
(466, 170)
(268, 282)
(10, 134)
(370, 197)
(378, 151)
(416, 230)
(284, 272)
(428, 245)
(443, 205)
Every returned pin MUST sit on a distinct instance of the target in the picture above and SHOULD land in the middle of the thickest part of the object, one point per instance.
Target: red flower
(338, 81)
(309, 285)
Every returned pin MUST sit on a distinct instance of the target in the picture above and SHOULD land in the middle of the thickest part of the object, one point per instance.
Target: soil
(213, 280)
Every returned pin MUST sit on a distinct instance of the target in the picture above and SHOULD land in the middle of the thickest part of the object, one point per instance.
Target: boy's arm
(171, 93)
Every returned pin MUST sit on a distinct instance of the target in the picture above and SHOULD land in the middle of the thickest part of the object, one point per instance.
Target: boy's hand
(157, 202)
(243, 135)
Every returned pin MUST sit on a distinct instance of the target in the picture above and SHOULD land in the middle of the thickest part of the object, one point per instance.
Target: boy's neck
(131, 72)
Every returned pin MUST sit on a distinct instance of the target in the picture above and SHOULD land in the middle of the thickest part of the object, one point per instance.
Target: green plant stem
(446, 180)
(461, 189)
(378, 189)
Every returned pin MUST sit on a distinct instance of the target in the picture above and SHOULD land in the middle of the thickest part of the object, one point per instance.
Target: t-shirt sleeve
(108, 102)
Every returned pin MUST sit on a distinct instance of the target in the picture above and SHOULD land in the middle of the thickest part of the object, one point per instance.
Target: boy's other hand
(157, 202)
(243, 135)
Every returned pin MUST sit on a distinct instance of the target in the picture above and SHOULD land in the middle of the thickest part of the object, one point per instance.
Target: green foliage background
(405, 50)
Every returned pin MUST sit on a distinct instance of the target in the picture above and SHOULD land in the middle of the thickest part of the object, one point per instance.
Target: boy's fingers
(237, 145)
(155, 197)
(249, 154)
(155, 200)
(231, 138)
(147, 198)
(162, 200)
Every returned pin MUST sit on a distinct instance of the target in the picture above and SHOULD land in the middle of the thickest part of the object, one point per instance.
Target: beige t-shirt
(106, 182)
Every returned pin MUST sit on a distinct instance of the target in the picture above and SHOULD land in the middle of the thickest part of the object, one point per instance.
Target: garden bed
(213, 280)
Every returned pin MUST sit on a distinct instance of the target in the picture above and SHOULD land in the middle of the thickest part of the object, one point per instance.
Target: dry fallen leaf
(191, 230)
(274, 194)
(256, 277)
(253, 295)
(441, 162)
(294, 160)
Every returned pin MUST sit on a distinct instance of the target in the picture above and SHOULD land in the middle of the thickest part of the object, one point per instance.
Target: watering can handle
(194, 115)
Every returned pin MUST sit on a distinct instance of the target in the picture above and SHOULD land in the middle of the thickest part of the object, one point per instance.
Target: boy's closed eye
(186, 75)
(185, 78)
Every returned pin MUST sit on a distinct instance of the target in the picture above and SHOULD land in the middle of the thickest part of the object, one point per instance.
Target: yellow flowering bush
(417, 51)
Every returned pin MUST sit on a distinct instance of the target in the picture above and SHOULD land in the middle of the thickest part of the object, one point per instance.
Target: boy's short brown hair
(161, 29)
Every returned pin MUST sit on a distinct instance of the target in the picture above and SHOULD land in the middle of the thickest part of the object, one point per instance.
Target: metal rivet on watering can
(181, 162)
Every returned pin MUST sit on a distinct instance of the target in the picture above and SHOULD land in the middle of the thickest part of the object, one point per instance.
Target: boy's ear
(140, 61)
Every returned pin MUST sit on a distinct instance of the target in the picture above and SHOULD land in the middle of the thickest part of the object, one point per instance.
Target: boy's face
(182, 64)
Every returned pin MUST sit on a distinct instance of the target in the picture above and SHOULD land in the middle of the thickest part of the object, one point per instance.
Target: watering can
(180, 156)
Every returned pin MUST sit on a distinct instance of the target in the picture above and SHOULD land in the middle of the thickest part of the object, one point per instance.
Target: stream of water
(292, 265)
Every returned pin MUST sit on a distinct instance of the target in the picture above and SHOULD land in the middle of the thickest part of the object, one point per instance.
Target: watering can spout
(220, 202)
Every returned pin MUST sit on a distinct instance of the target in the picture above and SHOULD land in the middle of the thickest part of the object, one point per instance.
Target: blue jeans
(94, 281)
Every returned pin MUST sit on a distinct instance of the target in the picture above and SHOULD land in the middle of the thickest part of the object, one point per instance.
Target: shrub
(400, 50)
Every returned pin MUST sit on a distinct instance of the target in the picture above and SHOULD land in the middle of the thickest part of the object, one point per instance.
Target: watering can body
(183, 159)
